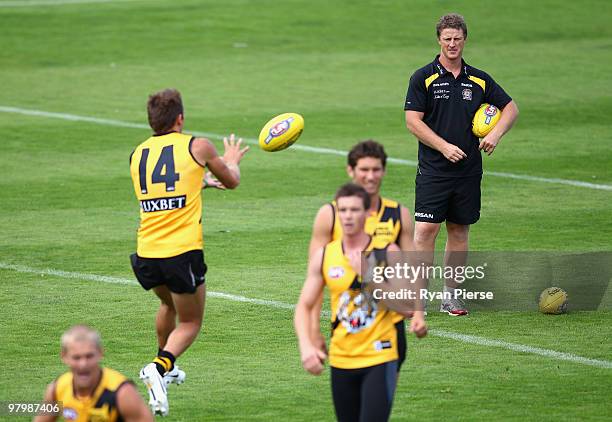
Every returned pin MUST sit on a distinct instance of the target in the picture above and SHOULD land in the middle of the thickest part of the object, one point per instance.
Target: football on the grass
(485, 120)
(553, 301)
(281, 132)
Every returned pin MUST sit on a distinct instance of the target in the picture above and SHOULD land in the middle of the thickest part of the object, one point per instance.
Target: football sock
(164, 362)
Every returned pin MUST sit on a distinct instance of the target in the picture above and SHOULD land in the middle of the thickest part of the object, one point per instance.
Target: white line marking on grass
(306, 148)
(33, 3)
(482, 341)
(263, 302)
(466, 338)
(66, 274)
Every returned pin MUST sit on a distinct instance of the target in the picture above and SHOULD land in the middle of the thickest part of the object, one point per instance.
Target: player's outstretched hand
(453, 153)
(488, 143)
(312, 360)
(418, 326)
(211, 181)
(233, 153)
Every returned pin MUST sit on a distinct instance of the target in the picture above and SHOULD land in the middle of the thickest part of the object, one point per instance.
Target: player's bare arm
(130, 405)
(210, 182)
(226, 169)
(509, 115)
(416, 125)
(321, 236)
(322, 229)
(418, 326)
(406, 236)
(311, 355)
(49, 397)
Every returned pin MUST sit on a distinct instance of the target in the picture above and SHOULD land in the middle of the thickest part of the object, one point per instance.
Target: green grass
(68, 203)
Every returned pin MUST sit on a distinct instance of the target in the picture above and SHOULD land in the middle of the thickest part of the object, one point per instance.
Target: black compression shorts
(364, 394)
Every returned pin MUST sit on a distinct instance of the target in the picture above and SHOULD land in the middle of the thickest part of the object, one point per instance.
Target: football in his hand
(281, 132)
(553, 301)
(485, 120)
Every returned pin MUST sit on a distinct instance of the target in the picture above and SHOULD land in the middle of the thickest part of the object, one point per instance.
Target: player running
(387, 220)
(168, 170)
(364, 353)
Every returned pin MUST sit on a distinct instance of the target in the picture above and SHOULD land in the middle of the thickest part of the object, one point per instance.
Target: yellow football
(281, 132)
(485, 120)
(553, 301)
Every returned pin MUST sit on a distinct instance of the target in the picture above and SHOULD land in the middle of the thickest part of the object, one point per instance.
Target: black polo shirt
(449, 105)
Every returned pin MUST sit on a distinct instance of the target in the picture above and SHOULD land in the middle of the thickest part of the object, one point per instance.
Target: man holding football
(167, 172)
(364, 350)
(387, 221)
(442, 98)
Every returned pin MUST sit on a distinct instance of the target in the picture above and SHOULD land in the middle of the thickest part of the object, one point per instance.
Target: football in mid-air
(485, 120)
(553, 301)
(281, 132)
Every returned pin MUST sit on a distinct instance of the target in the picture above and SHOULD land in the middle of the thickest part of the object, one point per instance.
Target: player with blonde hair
(89, 391)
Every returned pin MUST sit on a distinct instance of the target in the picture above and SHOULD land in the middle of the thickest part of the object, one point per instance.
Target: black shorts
(454, 199)
(181, 274)
(364, 394)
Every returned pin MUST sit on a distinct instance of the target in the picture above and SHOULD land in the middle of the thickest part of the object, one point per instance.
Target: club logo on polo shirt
(467, 94)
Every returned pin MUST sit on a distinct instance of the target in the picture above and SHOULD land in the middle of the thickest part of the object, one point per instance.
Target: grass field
(68, 204)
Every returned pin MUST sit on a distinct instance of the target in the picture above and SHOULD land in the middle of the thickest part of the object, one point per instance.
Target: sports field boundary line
(465, 338)
(299, 147)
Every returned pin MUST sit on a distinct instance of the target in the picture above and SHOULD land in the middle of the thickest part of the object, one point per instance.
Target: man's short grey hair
(81, 333)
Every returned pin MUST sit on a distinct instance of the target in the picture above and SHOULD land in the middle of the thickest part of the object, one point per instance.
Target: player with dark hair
(167, 171)
(364, 349)
(442, 98)
(89, 392)
(387, 221)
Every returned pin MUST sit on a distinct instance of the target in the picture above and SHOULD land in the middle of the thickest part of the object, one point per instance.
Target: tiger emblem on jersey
(356, 311)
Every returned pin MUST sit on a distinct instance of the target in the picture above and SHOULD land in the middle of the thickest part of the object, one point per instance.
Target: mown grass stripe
(465, 338)
(299, 147)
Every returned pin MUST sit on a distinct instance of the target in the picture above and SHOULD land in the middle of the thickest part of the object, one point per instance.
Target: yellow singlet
(168, 183)
(384, 226)
(100, 407)
(363, 334)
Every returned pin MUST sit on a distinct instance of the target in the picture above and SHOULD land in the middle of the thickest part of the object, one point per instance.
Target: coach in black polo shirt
(442, 99)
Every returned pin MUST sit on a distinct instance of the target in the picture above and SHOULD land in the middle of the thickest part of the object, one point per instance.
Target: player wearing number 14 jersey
(168, 171)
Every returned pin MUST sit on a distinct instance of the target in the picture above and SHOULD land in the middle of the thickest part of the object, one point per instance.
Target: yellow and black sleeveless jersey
(363, 333)
(168, 183)
(99, 407)
(384, 226)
